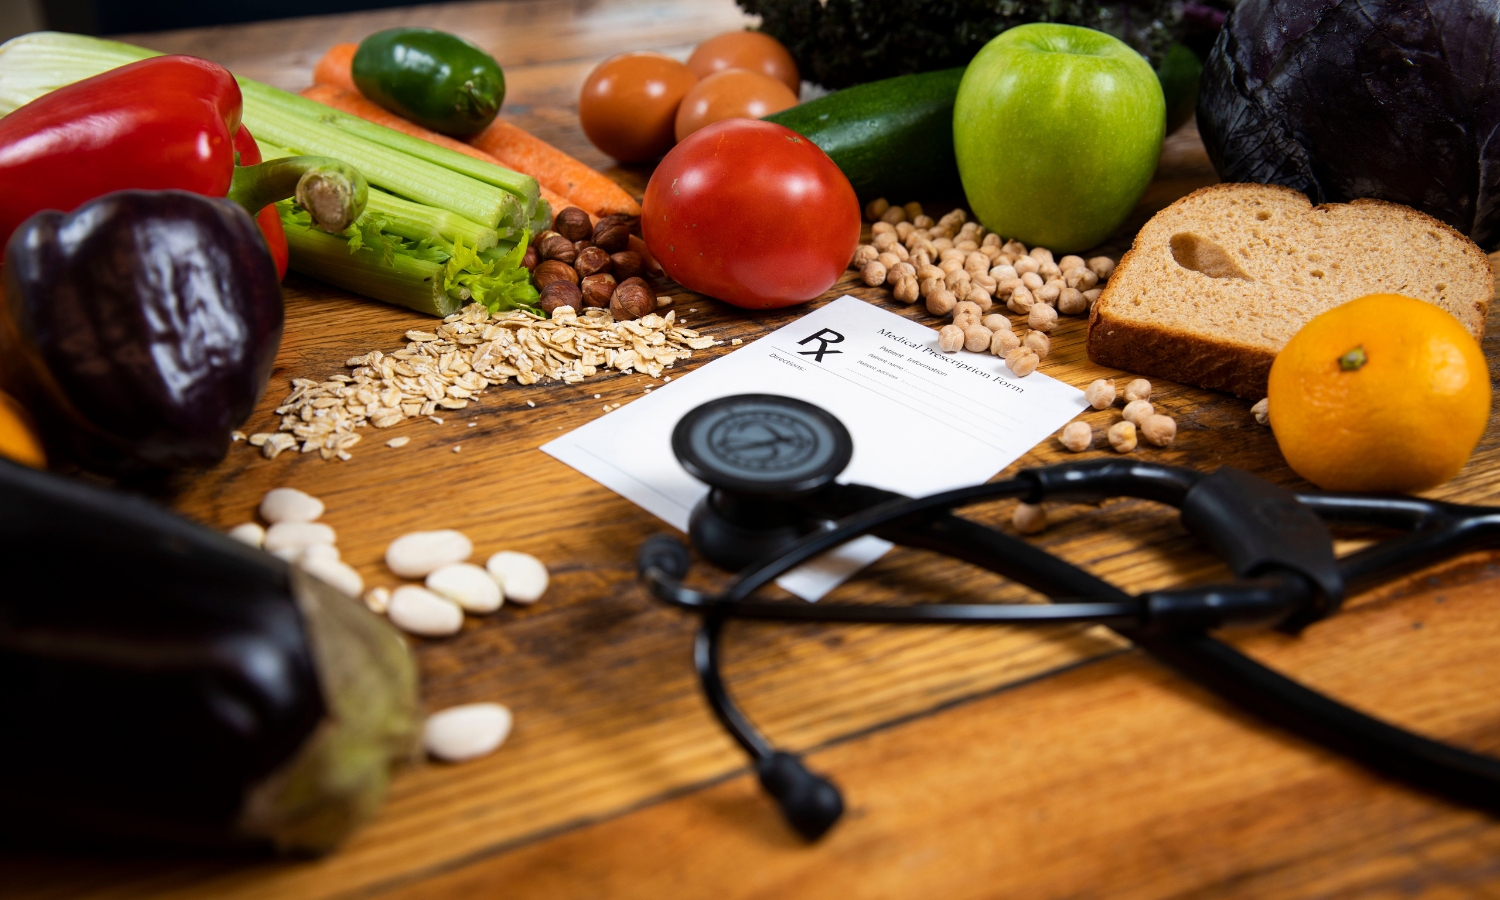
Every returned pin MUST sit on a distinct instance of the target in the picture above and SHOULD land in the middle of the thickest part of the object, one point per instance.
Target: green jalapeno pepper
(436, 79)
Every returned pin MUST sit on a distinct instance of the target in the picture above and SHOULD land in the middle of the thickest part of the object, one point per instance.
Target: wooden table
(975, 762)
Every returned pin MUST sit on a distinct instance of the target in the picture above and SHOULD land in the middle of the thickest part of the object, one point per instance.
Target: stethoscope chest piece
(758, 453)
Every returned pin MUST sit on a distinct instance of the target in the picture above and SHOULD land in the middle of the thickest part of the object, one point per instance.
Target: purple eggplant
(140, 328)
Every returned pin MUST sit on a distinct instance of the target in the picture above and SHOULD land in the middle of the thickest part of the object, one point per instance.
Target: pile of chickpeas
(962, 273)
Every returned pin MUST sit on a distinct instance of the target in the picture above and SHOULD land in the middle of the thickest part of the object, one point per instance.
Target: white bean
(467, 585)
(378, 599)
(248, 533)
(339, 575)
(420, 553)
(521, 575)
(420, 611)
(290, 505)
(466, 732)
(297, 536)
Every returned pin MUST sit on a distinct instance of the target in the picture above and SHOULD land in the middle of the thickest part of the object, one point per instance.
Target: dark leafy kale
(838, 43)
(1393, 99)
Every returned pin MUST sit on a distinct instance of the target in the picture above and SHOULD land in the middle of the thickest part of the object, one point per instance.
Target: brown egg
(628, 106)
(731, 94)
(746, 50)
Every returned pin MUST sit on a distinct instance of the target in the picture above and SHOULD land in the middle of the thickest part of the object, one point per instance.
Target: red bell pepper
(161, 123)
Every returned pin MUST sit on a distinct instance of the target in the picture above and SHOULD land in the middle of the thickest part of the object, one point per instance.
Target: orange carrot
(514, 148)
(583, 186)
(337, 67)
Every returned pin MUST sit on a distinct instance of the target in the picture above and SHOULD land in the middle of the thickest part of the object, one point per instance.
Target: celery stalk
(34, 64)
(414, 221)
(406, 281)
(523, 186)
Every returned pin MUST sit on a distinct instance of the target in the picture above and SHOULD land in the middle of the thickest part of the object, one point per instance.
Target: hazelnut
(557, 247)
(1078, 436)
(613, 237)
(580, 246)
(573, 224)
(1038, 343)
(627, 263)
(554, 270)
(1004, 341)
(1122, 437)
(1159, 430)
(1101, 394)
(632, 223)
(529, 259)
(559, 294)
(1029, 518)
(950, 338)
(597, 289)
(977, 338)
(591, 261)
(632, 299)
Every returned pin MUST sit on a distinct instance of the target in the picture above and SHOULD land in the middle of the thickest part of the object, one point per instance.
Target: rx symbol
(824, 338)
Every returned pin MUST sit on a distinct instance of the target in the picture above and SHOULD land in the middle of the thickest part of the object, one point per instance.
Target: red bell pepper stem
(333, 192)
(247, 153)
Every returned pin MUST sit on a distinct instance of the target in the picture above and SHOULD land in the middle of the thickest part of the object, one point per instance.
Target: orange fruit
(18, 441)
(1383, 393)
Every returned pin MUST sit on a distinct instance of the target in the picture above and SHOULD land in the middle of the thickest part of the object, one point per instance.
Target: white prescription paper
(923, 421)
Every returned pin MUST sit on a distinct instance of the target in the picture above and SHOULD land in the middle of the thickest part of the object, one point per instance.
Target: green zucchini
(436, 79)
(891, 138)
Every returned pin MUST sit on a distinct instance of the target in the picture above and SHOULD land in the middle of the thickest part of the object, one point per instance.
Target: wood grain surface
(978, 762)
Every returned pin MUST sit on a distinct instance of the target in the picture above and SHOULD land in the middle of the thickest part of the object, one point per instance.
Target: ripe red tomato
(752, 213)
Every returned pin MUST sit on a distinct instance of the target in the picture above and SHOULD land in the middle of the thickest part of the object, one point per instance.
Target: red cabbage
(1393, 99)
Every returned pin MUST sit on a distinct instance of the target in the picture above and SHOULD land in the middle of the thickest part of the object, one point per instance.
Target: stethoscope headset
(773, 504)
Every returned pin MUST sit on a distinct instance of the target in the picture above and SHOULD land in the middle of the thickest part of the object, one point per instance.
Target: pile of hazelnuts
(583, 264)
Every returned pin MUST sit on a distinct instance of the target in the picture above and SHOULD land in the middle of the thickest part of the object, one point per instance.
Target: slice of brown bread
(1218, 282)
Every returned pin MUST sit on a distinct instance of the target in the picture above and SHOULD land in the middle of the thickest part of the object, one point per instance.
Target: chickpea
(956, 279)
(1081, 278)
(995, 322)
(1159, 430)
(864, 255)
(927, 285)
(873, 274)
(1002, 342)
(1028, 264)
(1049, 270)
(986, 282)
(1101, 394)
(1102, 266)
(1077, 436)
(906, 289)
(1042, 255)
(1069, 261)
(904, 230)
(893, 215)
(1138, 410)
(1029, 518)
(1005, 286)
(913, 209)
(941, 302)
(1021, 361)
(1071, 302)
(923, 221)
(1032, 280)
(1092, 296)
(1049, 293)
(884, 240)
(967, 245)
(1138, 389)
(1042, 317)
(876, 208)
(965, 314)
(1262, 411)
(977, 263)
(1122, 437)
(977, 338)
(1021, 300)
(1001, 273)
(950, 338)
(1038, 343)
(880, 228)
(888, 259)
(991, 240)
(980, 297)
(899, 271)
(1013, 249)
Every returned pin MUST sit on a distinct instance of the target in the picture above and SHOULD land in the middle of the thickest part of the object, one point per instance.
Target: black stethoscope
(773, 504)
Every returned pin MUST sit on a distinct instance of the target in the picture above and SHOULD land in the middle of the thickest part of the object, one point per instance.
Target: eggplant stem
(332, 191)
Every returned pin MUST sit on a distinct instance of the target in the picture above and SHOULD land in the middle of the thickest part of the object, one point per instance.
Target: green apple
(1057, 130)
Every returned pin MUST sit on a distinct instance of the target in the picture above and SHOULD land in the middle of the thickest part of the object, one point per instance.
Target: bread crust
(1210, 361)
